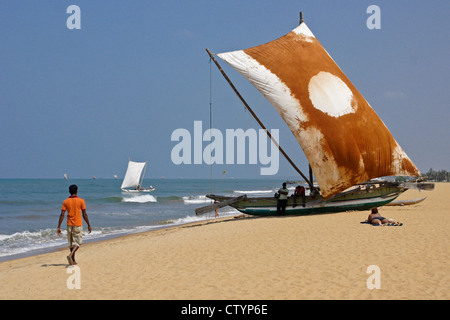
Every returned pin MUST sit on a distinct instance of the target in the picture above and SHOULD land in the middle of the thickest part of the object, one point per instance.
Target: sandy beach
(306, 257)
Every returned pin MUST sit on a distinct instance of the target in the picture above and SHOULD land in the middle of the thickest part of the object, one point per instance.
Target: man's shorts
(74, 235)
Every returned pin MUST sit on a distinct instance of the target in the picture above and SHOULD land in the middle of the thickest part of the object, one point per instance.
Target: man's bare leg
(72, 254)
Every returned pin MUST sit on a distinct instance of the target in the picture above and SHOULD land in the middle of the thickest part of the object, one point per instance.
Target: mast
(257, 119)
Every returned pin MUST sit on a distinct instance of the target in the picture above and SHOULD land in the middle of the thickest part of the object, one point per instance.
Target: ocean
(30, 208)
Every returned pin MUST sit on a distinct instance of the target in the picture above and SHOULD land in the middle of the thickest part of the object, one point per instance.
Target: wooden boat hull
(348, 201)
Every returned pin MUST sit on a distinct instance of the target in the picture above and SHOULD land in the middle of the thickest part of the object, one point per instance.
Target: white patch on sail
(303, 30)
(278, 94)
(325, 167)
(330, 94)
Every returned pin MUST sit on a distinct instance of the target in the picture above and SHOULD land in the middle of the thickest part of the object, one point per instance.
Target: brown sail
(344, 140)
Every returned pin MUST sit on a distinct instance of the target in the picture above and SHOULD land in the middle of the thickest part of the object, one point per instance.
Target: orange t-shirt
(74, 205)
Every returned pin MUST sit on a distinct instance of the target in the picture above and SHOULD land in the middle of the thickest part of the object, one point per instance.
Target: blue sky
(84, 101)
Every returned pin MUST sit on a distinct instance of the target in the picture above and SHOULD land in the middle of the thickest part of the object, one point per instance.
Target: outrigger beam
(219, 205)
(259, 121)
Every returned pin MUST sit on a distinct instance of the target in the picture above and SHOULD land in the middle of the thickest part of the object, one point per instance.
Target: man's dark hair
(73, 189)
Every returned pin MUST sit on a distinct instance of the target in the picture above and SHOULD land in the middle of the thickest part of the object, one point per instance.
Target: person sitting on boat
(299, 192)
(377, 220)
(282, 200)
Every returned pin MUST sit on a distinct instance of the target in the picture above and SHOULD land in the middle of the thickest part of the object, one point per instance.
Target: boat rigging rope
(210, 127)
(210, 121)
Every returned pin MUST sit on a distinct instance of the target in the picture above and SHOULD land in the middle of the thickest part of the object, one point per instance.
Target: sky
(84, 101)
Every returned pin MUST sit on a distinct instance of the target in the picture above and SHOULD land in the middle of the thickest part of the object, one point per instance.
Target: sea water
(30, 208)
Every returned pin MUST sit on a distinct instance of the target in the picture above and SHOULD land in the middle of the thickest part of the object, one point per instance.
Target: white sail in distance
(133, 175)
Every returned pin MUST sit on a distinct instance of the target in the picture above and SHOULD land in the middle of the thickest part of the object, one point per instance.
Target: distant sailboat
(65, 177)
(132, 182)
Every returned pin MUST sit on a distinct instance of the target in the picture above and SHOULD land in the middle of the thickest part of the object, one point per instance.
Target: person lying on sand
(377, 220)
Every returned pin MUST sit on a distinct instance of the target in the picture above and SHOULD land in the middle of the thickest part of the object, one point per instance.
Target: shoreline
(256, 258)
(60, 247)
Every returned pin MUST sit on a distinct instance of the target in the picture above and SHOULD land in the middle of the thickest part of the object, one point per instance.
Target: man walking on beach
(75, 206)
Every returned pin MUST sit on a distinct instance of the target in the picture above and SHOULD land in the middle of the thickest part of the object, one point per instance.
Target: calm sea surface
(29, 209)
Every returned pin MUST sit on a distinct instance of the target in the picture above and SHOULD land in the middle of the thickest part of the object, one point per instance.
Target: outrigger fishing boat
(132, 182)
(347, 145)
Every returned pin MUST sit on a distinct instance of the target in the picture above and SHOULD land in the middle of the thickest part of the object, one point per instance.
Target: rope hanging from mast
(210, 120)
(311, 185)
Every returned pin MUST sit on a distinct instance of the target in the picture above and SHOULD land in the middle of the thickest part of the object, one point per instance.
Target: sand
(309, 257)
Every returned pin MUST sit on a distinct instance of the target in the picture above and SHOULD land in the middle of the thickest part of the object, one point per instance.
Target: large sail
(342, 137)
(133, 174)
